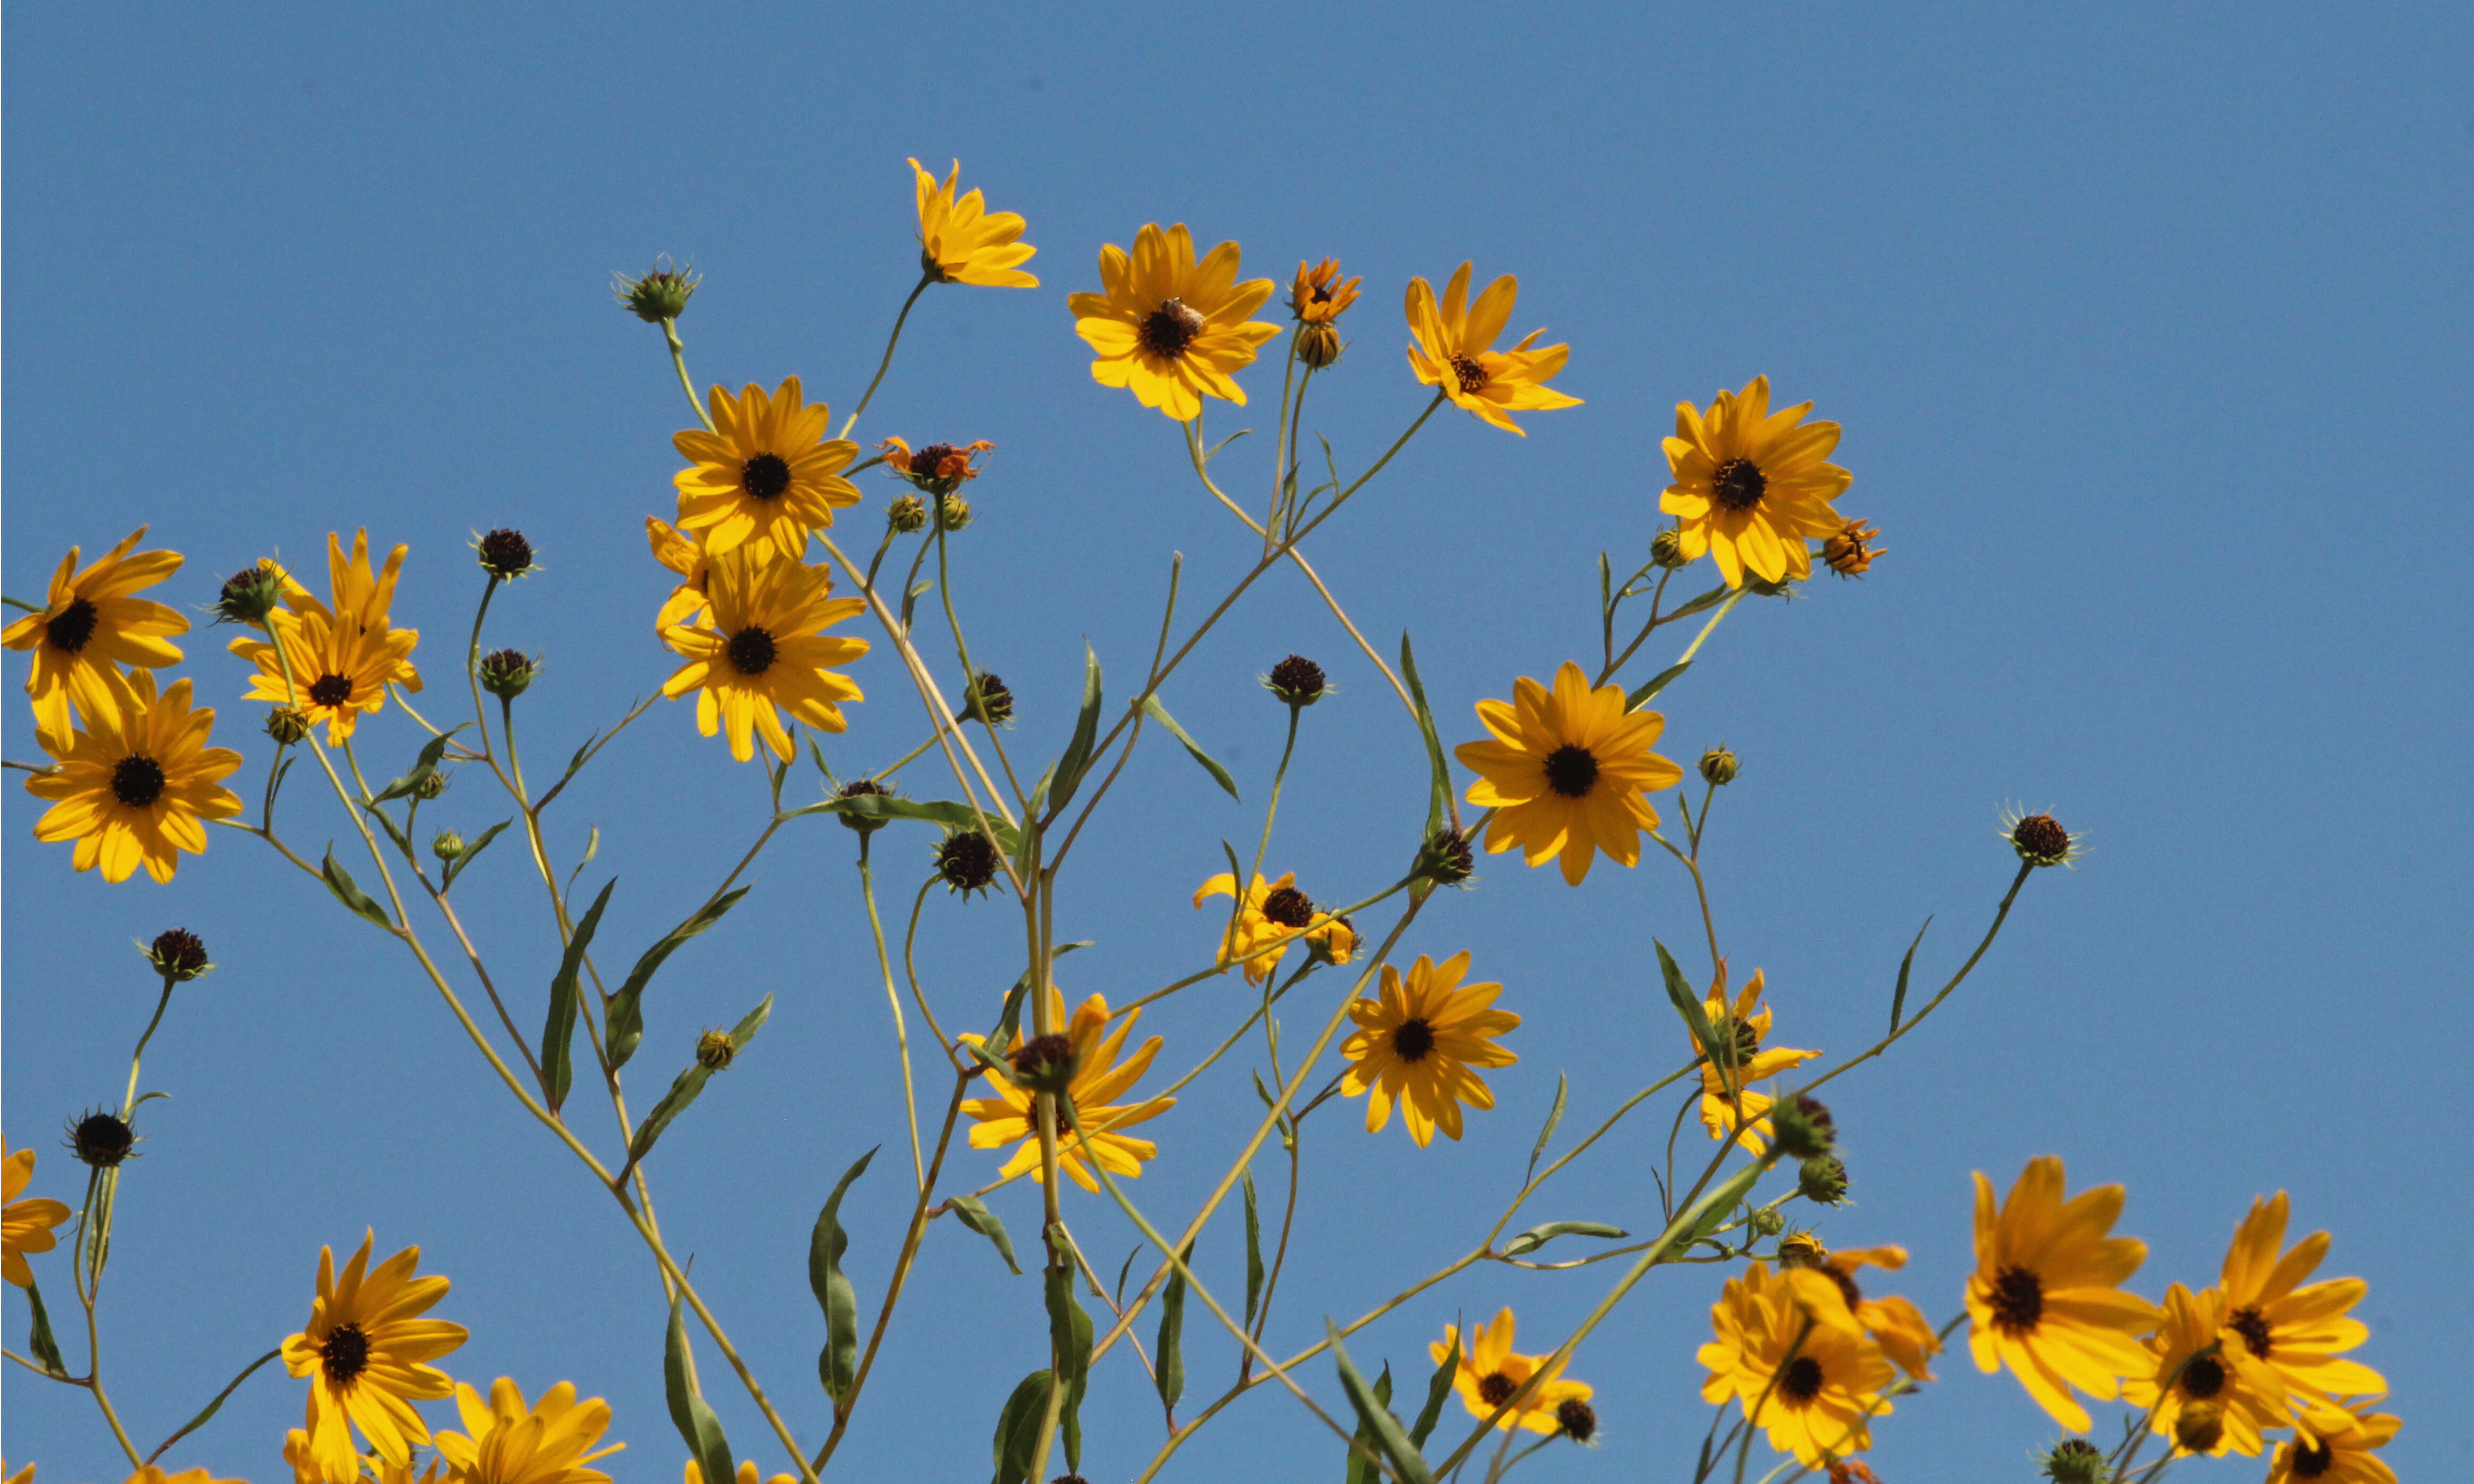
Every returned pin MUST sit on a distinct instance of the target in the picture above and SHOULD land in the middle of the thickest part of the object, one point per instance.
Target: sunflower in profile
(1741, 1029)
(90, 626)
(25, 1226)
(1418, 1043)
(366, 1350)
(343, 657)
(765, 475)
(677, 550)
(761, 649)
(748, 1474)
(1489, 1373)
(2335, 1444)
(134, 786)
(1455, 351)
(1749, 484)
(2300, 1330)
(1894, 1323)
(2208, 1396)
(2046, 1299)
(1090, 1049)
(1790, 1351)
(1569, 773)
(1275, 911)
(1169, 329)
(961, 241)
(508, 1442)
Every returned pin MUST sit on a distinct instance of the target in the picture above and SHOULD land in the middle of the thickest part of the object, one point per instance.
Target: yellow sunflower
(1455, 351)
(1169, 329)
(1792, 1354)
(748, 1474)
(509, 1442)
(1319, 295)
(1569, 773)
(1417, 1044)
(1489, 1373)
(25, 1475)
(961, 241)
(1742, 1028)
(766, 476)
(2300, 1331)
(89, 628)
(343, 658)
(2217, 1401)
(133, 788)
(25, 1226)
(150, 1474)
(1275, 911)
(2045, 1299)
(365, 1351)
(760, 644)
(1008, 1117)
(1894, 1323)
(677, 550)
(2335, 1444)
(1749, 484)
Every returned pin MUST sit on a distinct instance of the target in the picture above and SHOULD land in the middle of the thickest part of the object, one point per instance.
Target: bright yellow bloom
(766, 476)
(2300, 1331)
(511, 1444)
(1792, 1354)
(1742, 1028)
(25, 1226)
(343, 658)
(1749, 484)
(1567, 772)
(1417, 1044)
(961, 241)
(1894, 1323)
(133, 788)
(89, 628)
(760, 645)
(2045, 1299)
(365, 1351)
(1275, 911)
(25, 1475)
(149, 1474)
(1489, 1373)
(747, 1470)
(1008, 1117)
(1169, 329)
(2335, 1444)
(1319, 295)
(1455, 351)
(2240, 1394)
(677, 550)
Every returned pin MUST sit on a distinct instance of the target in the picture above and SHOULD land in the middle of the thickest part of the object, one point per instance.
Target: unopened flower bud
(968, 860)
(1045, 1064)
(505, 553)
(102, 1140)
(1822, 1180)
(1718, 768)
(860, 788)
(1761, 587)
(286, 726)
(1319, 344)
(1805, 1129)
(2201, 1426)
(179, 955)
(505, 673)
(1849, 552)
(1766, 1221)
(713, 1050)
(432, 783)
(986, 700)
(907, 514)
(1296, 680)
(952, 513)
(1666, 549)
(447, 844)
(1444, 859)
(249, 596)
(2074, 1461)
(660, 294)
(1576, 1420)
(1801, 1250)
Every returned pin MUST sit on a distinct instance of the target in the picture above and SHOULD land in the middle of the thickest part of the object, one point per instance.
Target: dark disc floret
(2041, 840)
(1288, 906)
(1801, 1382)
(73, 627)
(1579, 1421)
(346, 1354)
(987, 700)
(1414, 1040)
(968, 860)
(1170, 328)
(2018, 1299)
(766, 476)
(330, 690)
(1571, 771)
(506, 553)
(1445, 858)
(102, 1140)
(138, 780)
(752, 650)
(1739, 484)
(1496, 1388)
(178, 954)
(1296, 680)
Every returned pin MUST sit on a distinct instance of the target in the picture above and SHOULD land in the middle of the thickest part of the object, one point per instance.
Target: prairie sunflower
(1742, 1028)
(1792, 1352)
(1455, 351)
(1169, 329)
(1319, 295)
(1417, 1043)
(937, 468)
(25, 1226)
(150, 1474)
(2335, 1444)
(2045, 1298)
(1569, 773)
(765, 475)
(760, 644)
(2242, 1395)
(748, 1474)
(343, 657)
(1894, 1323)
(2299, 1332)
(1008, 1117)
(133, 787)
(961, 241)
(509, 1442)
(1489, 1373)
(677, 550)
(1749, 484)
(1275, 911)
(89, 628)
(365, 1351)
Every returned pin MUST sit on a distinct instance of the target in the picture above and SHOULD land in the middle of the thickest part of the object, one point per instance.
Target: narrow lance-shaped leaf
(1554, 1117)
(340, 882)
(627, 1007)
(973, 1212)
(1440, 802)
(690, 1082)
(1253, 1253)
(1439, 1389)
(1086, 732)
(1537, 1237)
(1362, 1450)
(46, 1348)
(1170, 1357)
(838, 1365)
(690, 1413)
(1406, 1460)
(1709, 599)
(558, 1034)
(472, 847)
(1159, 713)
(1687, 1004)
(1018, 1423)
(1069, 1336)
(1712, 1209)
(1009, 1017)
(423, 766)
(1656, 683)
(1898, 1000)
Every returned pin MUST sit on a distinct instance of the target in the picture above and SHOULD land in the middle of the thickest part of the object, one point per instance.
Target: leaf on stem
(1687, 1004)
(887, 807)
(690, 1082)
(558, 1034)
(1554, 1117)
(463, 857)
(1898, 1000)
(838, 1364)
(1077, 757)
(690, 1413)
(1159, 713)
(423, 766)
(1439, 1387)
(1018, 1424)
(1362, 1450)
(973, 1212)
(1253, 1253)
(627, 1007)
(340, 882)
(1170, 1352)
(1709, 599)
(1406, 1460)
(1439, 804)
(1537, 1237)
(39, 1341)
(1656, 683)
(1069, 1337)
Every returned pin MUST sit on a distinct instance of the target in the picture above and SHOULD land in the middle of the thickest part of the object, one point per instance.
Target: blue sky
(2144, 325)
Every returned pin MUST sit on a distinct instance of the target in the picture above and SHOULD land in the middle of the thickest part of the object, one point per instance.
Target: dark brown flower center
(2018, 1299)
(752, 650)
(138, 780)
(1470, 375)
(930, 460)
(344, 1356)
(1496, 1388)
(1801, 1382)
(1288, 906)
(1413, 1041)
(2042, 835)
(2310, 1463)
(2252, 1325)
(1571, 771)
(1739, 484)
(1846, 1282)
(2203, 1376)
(766, 476)
(1577, 1419)
(1170, 328)
(72, 626)
(330, 690)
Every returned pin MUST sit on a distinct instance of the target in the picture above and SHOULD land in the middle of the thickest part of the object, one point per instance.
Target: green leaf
(1169, 1355)
(1018, 1423)
(1899, 1001)
(973, 1212)
(1439, 803)
(558, 1034)
(1406, 1460)
(689, 1082)
(838, 1362)
(1010, 1018)
(1159, 713)
(1656, 683)
(1537, 1237)
(911, 600)
(1086, 732)
(1687, 1004)
(421, 768)
(1709, 599)
(689, 1412)
(1439, 1389)
(627, 1018)
(1606, 585)
(1554, 1116)
(1069, 1336)
(949, 813)
(1253, 1253)
(339, 881)
(472, 848)
(1362, 1450)
(45, 1349)
(1707, 1212)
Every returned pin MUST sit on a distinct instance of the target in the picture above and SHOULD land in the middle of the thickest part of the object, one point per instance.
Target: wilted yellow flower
(1569, 773)
(1418, 1043)
(1169, 329)
(961, 241)
(1750, 485)
(765, 475)
(1792, 1354)
(1275, 911)
(25, 1226)
(133, 788)
(2336, 1445)
(343, 658)
(2299, 1330)
(1455, 351)
(2045, 1299)
(761, 645)
(507, 1443)
(2241, 1395)
(1742, 1027)
(365, 1351)
(1007, 1118)
(89, 628)
(1488, 1372)
(1850, 552)
(1319, 295)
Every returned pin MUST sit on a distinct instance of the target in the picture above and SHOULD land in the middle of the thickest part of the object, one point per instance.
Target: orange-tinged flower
(90, 625)
(1008, 1117)
(1569, 773)
(1455, 351)
(366, 1350)
(1275, 911)
(677, 550)
(1850, 552)
(939, 468)
(1751, 484)
(961, 241)
(2300, 1330)
(765, 475)
(136, 786)
(1319, 295)
(748, 1474)
(2046, 1299)
(1489, 1374)
(1168, 328)
(25, 1226)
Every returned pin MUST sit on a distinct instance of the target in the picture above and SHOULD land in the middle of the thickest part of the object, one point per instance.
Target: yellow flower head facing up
(1569, 773)
(1274, 913)
(1319, 295)
(90, 626)
(2046, 1298)
(505, 1442)
(1418, 1045)
(747, 1470)
(2300, 1330)
(343, 657)
(765, 475)
(2205, 1390)
(1743, 1028)
(365, 1353)
(25, 1226)
(1098, 1079)
(149, 1474)
(2335, 1443)
(1489, 1375)
(961, 241)
(1792, 1354)
(1894, 1323)
(1455, 351)
(135, 786)
(1168, 328)
(1751, 484)
(759, 649)
(677, 550)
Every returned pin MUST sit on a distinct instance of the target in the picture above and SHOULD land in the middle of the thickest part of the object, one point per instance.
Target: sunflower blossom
(1275, 911)
(343, 657)
(748, 1474)
(1488, 1372)
(1418, 1043)
(961, 241)
(90, 626)
(1894, 1323)
(365, 1351)
(677, 550)
(508, 1442)
(1749, 484)
(2045, 1299)
(2208, 1396)
(1008, 1117)
(2336, 1445)
(1455, 351)
(133, 788)
(1169, 329)
(1742, 1028)
(150, 1474)
(1569, 773)
(25, 1226)
(759, 648)
(1792, 1352)
(2299, 1330)
(765, 475)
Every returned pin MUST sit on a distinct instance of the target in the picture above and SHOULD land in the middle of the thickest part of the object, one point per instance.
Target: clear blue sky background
(2148, 330)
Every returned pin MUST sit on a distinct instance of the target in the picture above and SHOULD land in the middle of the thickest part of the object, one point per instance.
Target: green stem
(882, 366)
(679, 360)
(129, 1102)
(894, 998)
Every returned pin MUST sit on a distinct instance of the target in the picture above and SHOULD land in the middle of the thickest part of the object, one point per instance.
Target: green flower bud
(907, 513)
(179, 955)
(1822, 1180)
(2074, 1461)
(286, 726)
(1718, 768)
(1444, 859)
(660, 294)
(505, 673)
(1045, 1064)
(1666, 549)
(714, 1051)
(447, 845)
(952, 513)
(249, 596)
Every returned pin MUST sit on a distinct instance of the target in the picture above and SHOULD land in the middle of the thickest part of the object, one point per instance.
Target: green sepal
(626, 1017)
(1169, 1356)
(39, 1341)
(1554, 1117)
(558, 1034)
(1068, 774)
(1898, 1000)
(838, 1364)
